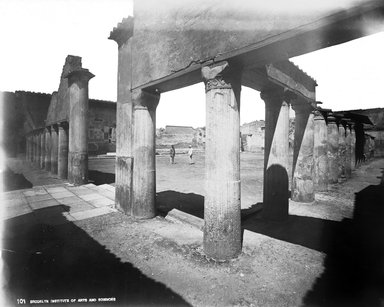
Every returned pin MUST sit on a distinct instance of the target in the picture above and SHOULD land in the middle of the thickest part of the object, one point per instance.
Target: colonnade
(62, 148)
(323, 149)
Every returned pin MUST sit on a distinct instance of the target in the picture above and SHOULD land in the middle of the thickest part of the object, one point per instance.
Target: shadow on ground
(97, 177)
(13, 181)
(190, 203)
(42, 261)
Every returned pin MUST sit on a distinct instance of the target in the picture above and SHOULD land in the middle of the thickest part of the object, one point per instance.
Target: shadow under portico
(43, 261)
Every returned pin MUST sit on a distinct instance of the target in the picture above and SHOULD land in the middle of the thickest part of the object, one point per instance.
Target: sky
(37, 35)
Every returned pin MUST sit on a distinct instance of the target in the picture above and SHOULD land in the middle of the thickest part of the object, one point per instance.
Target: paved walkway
(45, 202)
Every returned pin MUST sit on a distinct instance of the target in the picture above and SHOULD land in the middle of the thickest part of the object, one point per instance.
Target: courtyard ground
(68, 243)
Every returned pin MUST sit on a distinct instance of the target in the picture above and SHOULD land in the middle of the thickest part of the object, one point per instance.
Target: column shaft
(78, 126)
(62, 162)
(341, 154)
(353, 148)
(42, 149)
(48, 149)
(302, 181)
(144, 146)
(348, 169)
(38, 144)
(333, 149)
(276, 156)
(54, 149)
(124, 122)
(320, 159)
(222, 229)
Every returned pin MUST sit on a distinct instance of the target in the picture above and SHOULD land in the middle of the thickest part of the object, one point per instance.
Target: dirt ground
(328, 253)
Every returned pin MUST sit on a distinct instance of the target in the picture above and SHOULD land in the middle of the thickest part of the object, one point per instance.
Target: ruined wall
(180, 137)
(252, 135)
(102, 127)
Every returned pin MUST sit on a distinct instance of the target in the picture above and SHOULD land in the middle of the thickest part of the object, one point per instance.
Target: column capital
(47, 128)
(145, 100)
(123, 32)
(331, 118)
(79, 76)
(302, 107)
(318, 115)
(221, 75)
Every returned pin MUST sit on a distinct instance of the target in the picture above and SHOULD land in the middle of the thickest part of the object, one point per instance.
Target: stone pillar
(26, 148)
(62, 162)
(333, 150)
(144, 150)
(320, 153)
(48, 149)
(124, 122)
(276, 155)
(348, 159)
(341, 154)
(54, 149)
(33, 140)
(78, 126)
(222, 229)
(42, 149)
(302, 181)
(38, 147)
(353, 147)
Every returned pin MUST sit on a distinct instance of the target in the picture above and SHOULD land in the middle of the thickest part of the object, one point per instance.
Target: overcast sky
(37, 35)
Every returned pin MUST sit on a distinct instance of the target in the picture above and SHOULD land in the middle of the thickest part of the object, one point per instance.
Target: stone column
(348, 159)
(78, 126)
(320, 150)
(38, 148)
(54, 149)
(33, 140)
(341, 154)
(333, 150)
(26, 148)
(302, 181)
(144, 147)
(222, 229)
(47, 149)
(353, 147)
(276, 155)
(62, 162)
(124, 122)
(42, 149)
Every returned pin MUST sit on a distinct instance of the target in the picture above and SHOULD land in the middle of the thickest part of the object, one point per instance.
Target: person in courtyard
(172, 154)
(190, 154)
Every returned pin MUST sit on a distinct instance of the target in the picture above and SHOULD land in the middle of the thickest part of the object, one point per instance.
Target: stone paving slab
(92, 213)
(44, 204)
(57, 203)
(62, 194)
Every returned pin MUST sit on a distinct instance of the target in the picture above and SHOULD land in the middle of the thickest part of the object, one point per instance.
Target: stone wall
(180, 137)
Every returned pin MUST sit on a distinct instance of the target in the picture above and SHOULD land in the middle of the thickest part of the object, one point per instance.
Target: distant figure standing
(172, 154)
(190, 154)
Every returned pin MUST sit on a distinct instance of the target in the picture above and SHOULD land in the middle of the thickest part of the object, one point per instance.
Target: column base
(303, 191)
(78, 174)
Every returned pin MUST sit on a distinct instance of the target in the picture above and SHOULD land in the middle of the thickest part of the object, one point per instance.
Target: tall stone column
(333, 150)
(54, 148)
(222, 229)
(33, 140)
(320, 150)
(302, 181)
(78, 126)
(47, 149)
(348, 159)
(62, 162)
(144, 150)
(124, 122)
(38, 148)
(276, 155)
(26, 148)
(42, 149)
(341, 154)
(353, 147)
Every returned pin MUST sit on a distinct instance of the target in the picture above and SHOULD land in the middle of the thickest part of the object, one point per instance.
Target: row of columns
(135, 153)
(48, 149)
(62, 148)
